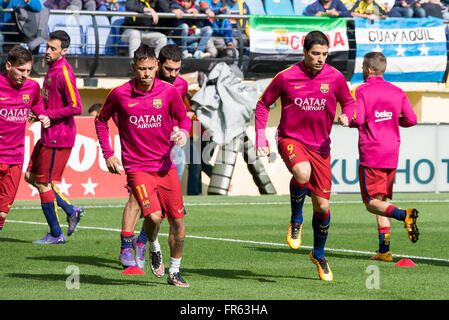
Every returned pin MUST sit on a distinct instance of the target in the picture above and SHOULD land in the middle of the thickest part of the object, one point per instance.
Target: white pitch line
(187, 204)
(245, 241)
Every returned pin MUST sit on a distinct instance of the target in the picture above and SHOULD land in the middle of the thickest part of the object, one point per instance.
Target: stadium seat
(104, 29)
(299, 6)
(279, 8)
(255, 7)
(114, 39)
(71, 25)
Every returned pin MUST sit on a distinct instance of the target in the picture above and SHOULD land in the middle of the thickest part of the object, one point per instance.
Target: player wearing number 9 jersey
(309, 92)
(145, 109)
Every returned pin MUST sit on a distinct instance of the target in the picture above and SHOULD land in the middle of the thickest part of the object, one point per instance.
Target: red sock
(2, 223)
(389, 210)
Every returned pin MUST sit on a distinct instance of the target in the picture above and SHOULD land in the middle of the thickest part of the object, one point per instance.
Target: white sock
(154, 246)
(174, 265)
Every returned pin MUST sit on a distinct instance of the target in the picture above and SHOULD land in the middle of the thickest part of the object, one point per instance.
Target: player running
(18, 94)
(146, 109)
(52, 152)
(378, 119)
(309, 92)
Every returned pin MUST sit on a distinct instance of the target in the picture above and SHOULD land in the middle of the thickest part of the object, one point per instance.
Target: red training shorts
(293, 152)
(48, 164)
(158, 191)
(10, 175)
(375, 182)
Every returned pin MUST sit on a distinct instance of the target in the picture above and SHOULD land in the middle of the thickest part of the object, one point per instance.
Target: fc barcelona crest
(157, 103)
(324, 87)
(25, 98)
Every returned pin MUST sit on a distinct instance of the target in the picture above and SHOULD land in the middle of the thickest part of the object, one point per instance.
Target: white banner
(423, 159)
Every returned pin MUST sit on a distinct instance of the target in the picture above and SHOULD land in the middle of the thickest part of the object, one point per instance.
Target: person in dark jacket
(139, 30)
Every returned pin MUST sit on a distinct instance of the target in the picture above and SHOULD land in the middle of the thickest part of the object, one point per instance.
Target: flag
(285, 34)
(415, 48)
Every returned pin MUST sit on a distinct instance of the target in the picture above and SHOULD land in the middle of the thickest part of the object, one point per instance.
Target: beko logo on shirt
(146, 121)
(14, 114)
(383, 115)
(311, 104)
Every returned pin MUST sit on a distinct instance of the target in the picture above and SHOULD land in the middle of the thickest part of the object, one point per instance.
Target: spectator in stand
(111, 5)
(239, 7)
(372, 10)
(89, 5)
(434, 8)
(144, 30)
(221, 43)
(410, 8)
(6, 19)
(194, 33)
(329, 8)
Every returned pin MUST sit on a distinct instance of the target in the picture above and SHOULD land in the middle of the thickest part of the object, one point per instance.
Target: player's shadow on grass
(348, 255)
(239, 274)
(87, 260)
(83, 278)
(13, 240)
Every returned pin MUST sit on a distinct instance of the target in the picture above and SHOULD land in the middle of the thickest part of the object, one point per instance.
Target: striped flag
(415, 48)
(285, 34)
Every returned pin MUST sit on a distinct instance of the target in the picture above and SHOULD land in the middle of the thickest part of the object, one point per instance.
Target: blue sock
(142, 238)
(320, 228)
(396, 213)
(297, 198)
(49, 209)
(62, 202)
(126, 239)
(384, 239)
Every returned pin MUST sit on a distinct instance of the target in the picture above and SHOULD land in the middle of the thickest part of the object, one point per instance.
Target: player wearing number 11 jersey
(145, 109)
(309, 92)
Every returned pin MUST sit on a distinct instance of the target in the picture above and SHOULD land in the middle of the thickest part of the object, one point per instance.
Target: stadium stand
(299, 6)
(279, 8)
(255, 7)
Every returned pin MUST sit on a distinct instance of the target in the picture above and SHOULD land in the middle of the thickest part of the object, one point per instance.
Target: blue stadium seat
(71, 25)
(279, 8)
(104, 29)
(114, 39)
(255, 7)
(299, 6)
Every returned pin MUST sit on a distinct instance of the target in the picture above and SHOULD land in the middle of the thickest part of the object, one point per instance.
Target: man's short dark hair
(170, 52)
(18, 56)
(62, 36)
(315, 37)
(144, 52)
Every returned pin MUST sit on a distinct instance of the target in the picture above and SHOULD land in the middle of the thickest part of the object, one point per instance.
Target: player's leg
(383, 230)
(375, 182)
(73, 213)
(320, 185)
(170, 195)
(9, 184)
(129, 221)
(296, 161)
(176, 244)
(151, 225)
(59, 163)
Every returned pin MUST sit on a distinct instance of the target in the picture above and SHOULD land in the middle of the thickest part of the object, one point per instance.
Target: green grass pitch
(235, 249)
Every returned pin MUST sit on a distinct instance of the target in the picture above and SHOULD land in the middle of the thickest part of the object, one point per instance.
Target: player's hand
(263, 151)
(343, 120)
(178, 136)
(44, 120)
(113, 164)
(32, 117)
